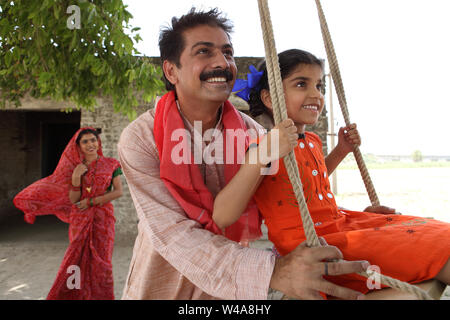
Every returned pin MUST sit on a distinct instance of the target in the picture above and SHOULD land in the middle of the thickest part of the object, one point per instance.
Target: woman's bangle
(91, 202)
(75, 188)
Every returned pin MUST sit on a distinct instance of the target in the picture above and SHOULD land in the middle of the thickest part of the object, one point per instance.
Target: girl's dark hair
(171, 39)
(288, 61)
(86, 131)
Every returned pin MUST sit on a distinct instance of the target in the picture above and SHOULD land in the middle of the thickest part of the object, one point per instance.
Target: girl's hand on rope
(381, 210)
(299, 274)
(286, 137)
(348, 138)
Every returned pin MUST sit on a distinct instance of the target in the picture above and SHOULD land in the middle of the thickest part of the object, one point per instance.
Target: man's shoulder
(140, 129)
(251, 123)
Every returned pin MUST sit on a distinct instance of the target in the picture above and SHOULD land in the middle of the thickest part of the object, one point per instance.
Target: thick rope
(336, 75)
(280, 114)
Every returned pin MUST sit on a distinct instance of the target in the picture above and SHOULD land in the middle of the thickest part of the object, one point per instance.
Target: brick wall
(111, 125)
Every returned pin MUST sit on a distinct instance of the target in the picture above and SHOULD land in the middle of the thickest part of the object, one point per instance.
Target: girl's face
(302, 91)
(89, 144)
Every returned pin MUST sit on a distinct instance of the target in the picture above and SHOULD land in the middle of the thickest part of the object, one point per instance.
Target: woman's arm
(110, 196)
(74, 196)
(75, 188)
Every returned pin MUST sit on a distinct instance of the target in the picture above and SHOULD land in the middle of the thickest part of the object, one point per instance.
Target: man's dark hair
(171, 39)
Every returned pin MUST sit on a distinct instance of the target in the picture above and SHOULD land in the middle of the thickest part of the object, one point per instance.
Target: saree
(86, 270)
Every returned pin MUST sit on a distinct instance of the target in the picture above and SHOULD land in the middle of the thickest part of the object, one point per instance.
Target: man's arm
(220, 267)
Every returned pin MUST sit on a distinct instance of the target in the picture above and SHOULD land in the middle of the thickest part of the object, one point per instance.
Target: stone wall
(111, 125)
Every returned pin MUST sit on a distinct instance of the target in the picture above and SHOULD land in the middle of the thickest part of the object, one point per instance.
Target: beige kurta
(173, 256)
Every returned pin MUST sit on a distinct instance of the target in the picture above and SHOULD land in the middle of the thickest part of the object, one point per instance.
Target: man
(179, 253)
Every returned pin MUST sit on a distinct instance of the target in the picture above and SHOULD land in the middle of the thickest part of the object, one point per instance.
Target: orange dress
(407, 248)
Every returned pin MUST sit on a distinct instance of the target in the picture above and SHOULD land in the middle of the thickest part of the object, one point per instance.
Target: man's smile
(218, 75)
(212, 80)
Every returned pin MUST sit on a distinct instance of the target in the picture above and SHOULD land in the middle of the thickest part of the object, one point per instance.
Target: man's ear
(266, 98)
(170, 71)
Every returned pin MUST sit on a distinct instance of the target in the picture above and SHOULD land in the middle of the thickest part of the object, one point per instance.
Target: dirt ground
(30, 256)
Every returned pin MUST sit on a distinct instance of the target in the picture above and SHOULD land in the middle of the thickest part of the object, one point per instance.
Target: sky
(394, 57)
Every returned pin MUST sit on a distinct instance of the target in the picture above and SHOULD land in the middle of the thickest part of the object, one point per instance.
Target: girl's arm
(232, 200)
(348, 139)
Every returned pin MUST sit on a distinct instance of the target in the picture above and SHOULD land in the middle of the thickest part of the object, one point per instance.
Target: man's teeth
(311, 107)
(216, 80)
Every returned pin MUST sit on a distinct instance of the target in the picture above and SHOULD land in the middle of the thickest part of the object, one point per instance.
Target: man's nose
(220, 61)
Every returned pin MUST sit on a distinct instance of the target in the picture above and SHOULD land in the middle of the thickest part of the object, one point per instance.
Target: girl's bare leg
(444, 274)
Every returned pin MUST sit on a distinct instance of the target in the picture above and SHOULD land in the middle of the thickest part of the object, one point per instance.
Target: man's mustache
(218, 73)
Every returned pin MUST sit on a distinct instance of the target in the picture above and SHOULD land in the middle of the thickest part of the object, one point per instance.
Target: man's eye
(228, 53)
(319, 86)
(203, 51)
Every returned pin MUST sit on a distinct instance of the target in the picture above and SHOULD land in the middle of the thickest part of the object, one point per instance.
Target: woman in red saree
(80, 192)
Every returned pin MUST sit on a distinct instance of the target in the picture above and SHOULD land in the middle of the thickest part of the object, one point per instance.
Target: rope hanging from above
(336, 75)
(280, 114)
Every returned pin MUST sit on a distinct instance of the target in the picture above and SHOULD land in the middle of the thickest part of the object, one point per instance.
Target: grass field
(396, 165)
(413, 190)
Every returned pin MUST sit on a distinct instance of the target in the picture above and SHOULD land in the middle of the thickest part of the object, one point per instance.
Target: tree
(417, 156)
(73, 50)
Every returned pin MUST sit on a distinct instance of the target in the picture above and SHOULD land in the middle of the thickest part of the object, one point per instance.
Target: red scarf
(50, 195)
(185, 181)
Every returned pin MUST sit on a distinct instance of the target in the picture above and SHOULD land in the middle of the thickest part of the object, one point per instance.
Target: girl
(80, 192)
(408, 248)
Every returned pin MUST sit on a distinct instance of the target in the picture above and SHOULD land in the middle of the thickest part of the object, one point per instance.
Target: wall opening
(31, 143)
(55, 137)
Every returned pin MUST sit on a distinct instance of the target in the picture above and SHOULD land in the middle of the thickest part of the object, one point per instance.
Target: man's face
(207, 69)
